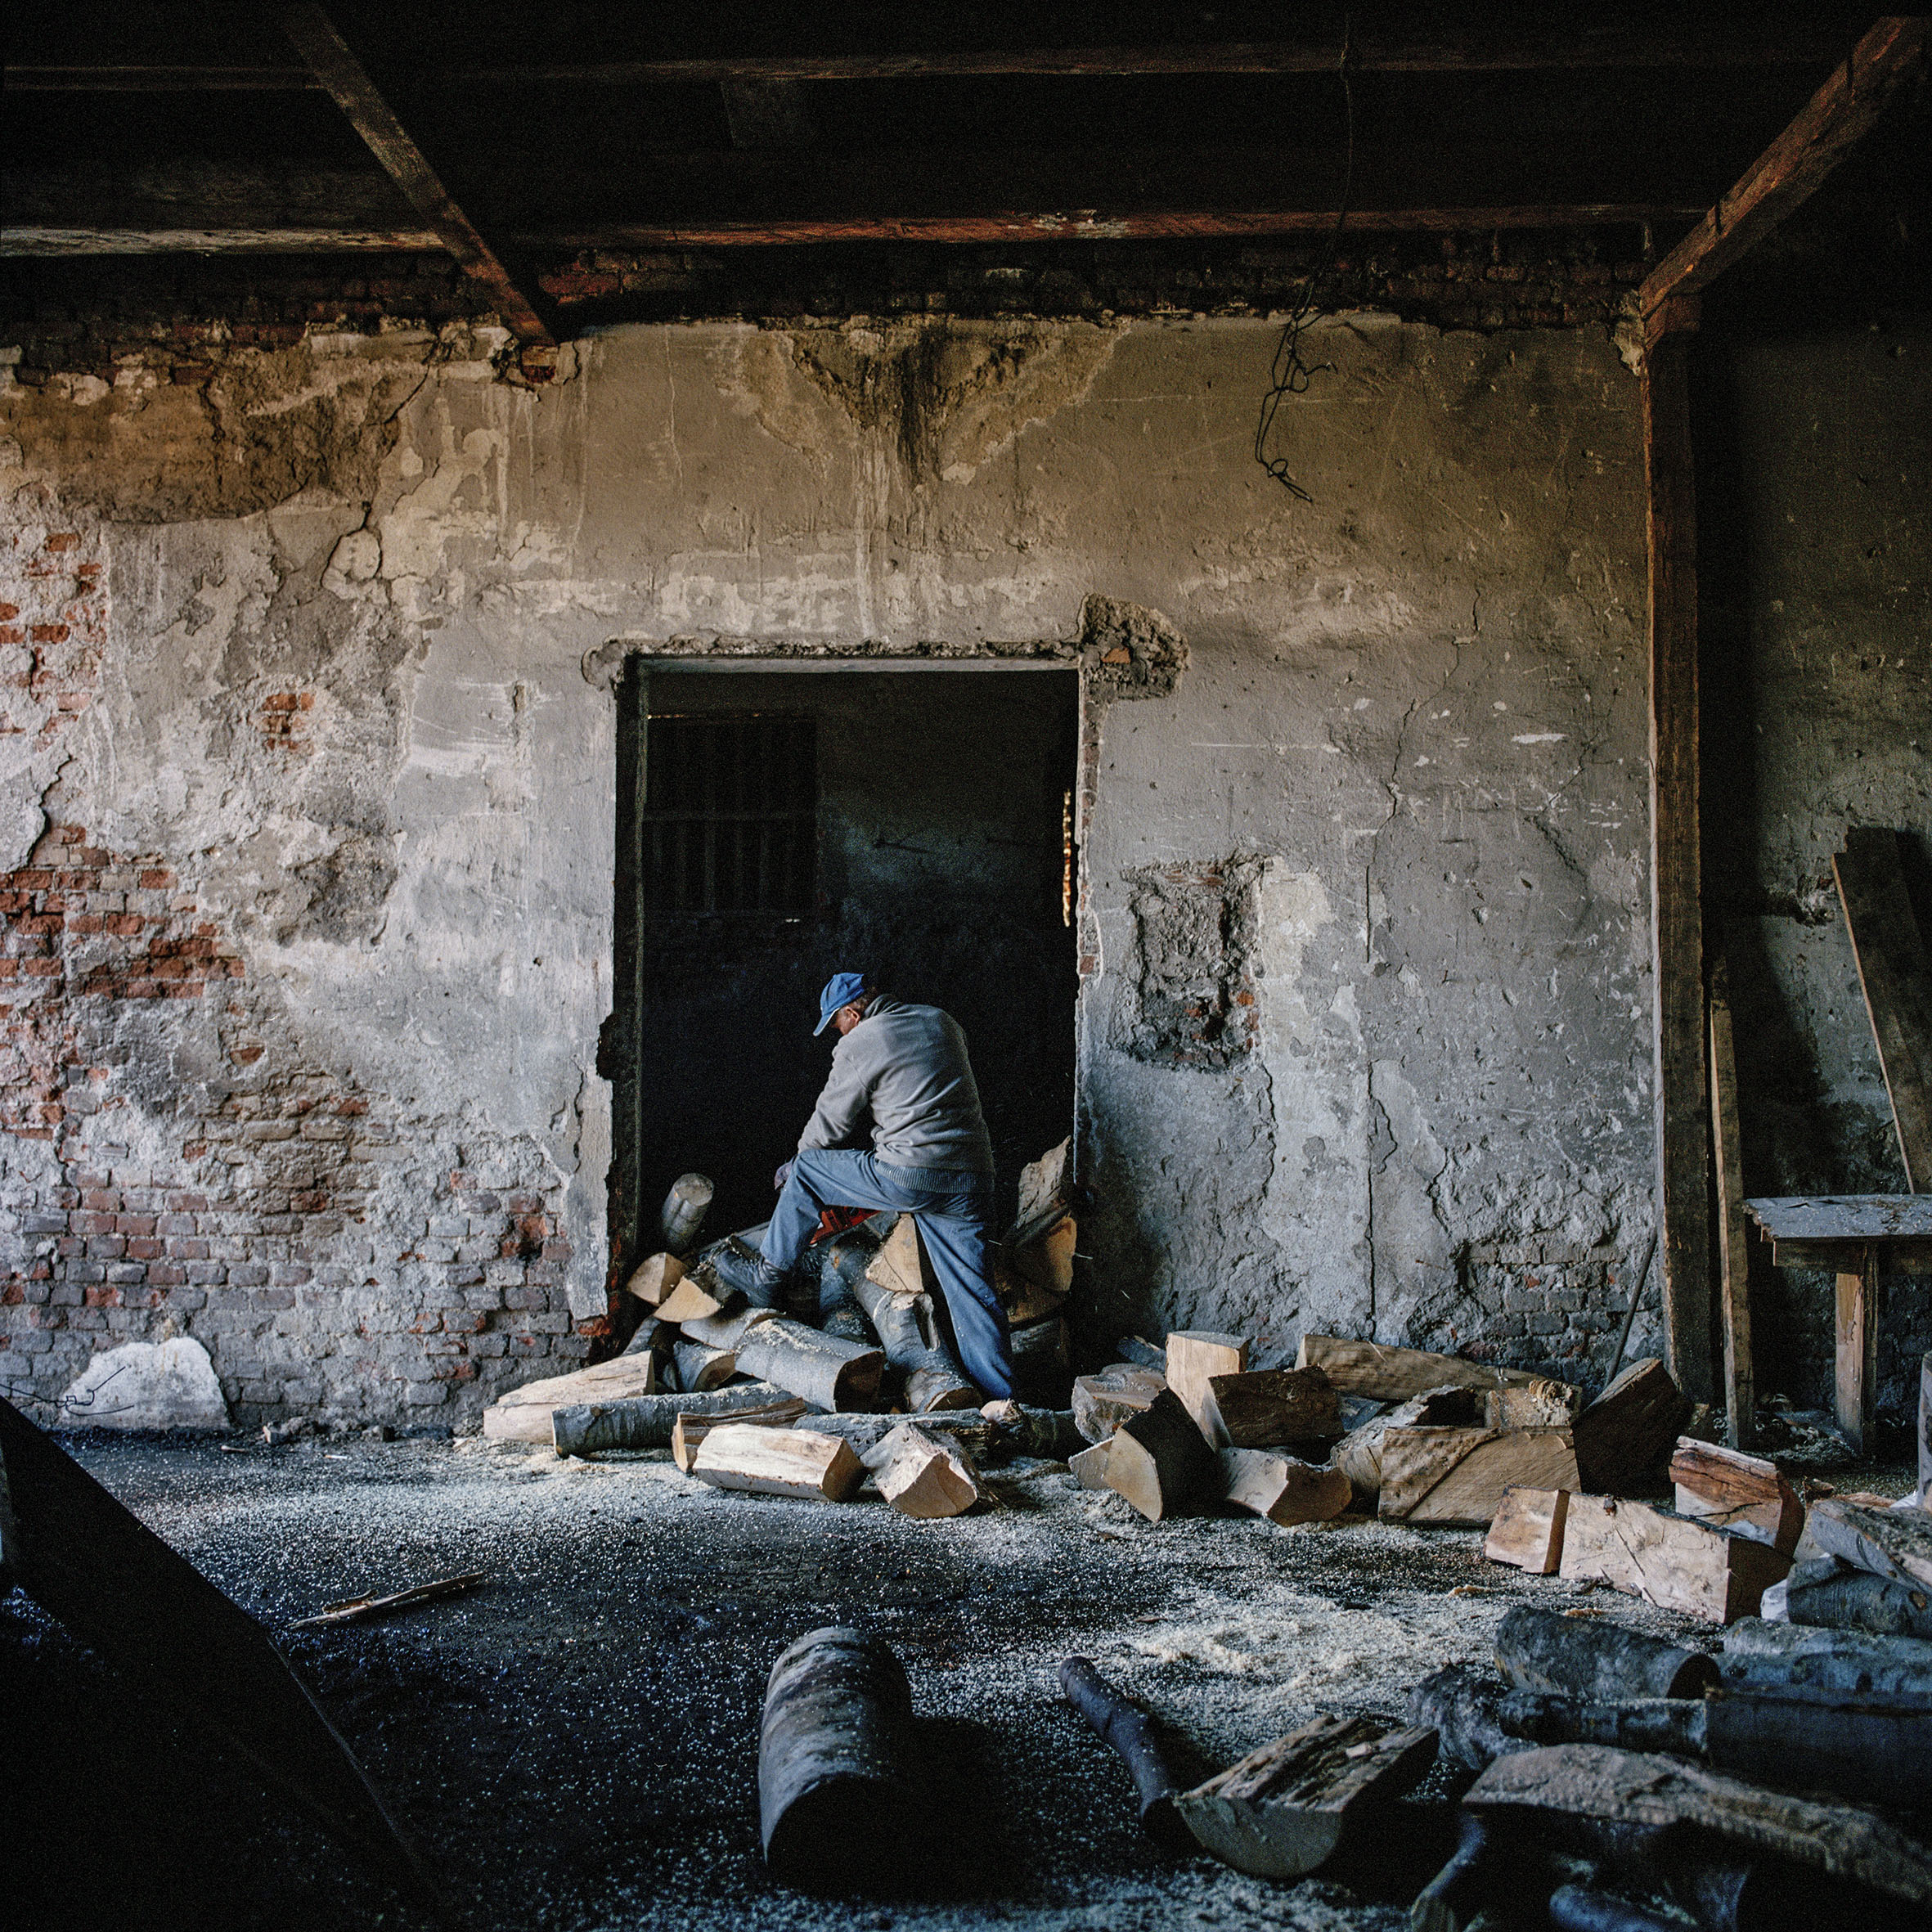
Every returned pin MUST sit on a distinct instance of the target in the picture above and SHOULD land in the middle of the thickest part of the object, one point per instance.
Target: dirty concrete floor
(574, 1746)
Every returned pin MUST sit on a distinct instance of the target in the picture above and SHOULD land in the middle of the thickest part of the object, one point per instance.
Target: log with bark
(1103, 1402)
(1736, 1492)
(1854, 1662)
(1925, 1491)
(839, 1806)
(1457, 1478)
(922, 1476)
(1894, 1543)
(592, 1428)
(689, 1431)
(725, 1331)
(829, 1373)
(999, 1431)
(1828, 1594)
(701, 1370)
(1042, 1355)
(1283, 1489)
(1269, 1407)
(1193, 1356)
(1139, 1353)
(1527, 1532)
(1457, 1896)
(1122, 1724)
(1625, 1438)
(523, 1414)
(1359, 1455)
(1676, 1563)
(1595, 1785)
(1287, 1808)
(1388, 1374)
(1160, 1462)
(1595, 1660)
(1586, 1908)
(794, 1461)
(654, 1277)
(914, 1346)
(681, 1218)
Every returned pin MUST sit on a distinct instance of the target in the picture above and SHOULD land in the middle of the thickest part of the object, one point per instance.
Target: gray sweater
(906, 1066)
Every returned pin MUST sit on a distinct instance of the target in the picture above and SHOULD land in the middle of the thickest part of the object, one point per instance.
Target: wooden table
(1859, 1237)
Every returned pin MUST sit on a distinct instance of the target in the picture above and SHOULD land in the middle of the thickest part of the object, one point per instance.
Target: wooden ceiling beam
(333, 63)
(1796, 165)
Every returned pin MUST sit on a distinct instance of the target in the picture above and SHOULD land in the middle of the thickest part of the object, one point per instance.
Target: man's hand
(783, 1175)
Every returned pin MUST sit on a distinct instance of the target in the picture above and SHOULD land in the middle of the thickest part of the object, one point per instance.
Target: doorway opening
(778, 824)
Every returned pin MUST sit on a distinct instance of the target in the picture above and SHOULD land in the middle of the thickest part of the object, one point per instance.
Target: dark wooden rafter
(1714, 46)
(1789, 172)
(333, 63)
(1683, 1120)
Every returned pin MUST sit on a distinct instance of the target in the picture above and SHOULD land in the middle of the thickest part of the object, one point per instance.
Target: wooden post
(1733, 1238)
(1856, 1390)
(1926, 1433)
(1677, 918)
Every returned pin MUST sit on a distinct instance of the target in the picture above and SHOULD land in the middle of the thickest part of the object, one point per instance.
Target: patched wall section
(1377, 1055)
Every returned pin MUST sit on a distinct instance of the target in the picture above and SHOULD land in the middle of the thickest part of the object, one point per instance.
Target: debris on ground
(354, 1609)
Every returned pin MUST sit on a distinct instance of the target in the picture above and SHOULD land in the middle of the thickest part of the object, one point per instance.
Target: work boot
(761, 1283)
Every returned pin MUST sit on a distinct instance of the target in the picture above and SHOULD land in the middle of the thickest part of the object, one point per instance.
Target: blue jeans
(954, 1214)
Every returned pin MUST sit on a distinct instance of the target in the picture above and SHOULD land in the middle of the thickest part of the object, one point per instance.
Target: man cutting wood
(904, 1067)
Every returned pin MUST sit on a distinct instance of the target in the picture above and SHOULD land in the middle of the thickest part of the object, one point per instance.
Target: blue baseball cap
(841, 990)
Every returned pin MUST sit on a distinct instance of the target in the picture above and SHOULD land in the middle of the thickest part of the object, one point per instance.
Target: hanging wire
(1289, 375)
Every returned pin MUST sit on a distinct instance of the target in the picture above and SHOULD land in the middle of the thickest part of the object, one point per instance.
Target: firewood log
(1457, 1478)
(1464, 1707)
(914, 1346)
(899, 1266)
(1457, 1896)
(1283, 1489)
(1022, 1297)
(1041, 1353)
(701, 1370)
(1827, 1592)
(1597, 1785)
(1894, 1544)
(1267, 1407)
(689, 1431)
(682, 1218)
(793, 1461)
(1192, 1356)
(1089, 1465)
(695, 1298)
(523, 1414)
(1286, 1808)
(1855, 1663)
(591, 1428)
(838, 1804)
(1625, 1436)
(1583, 1908)
(1046, 1188)
(830, 1374)
(997, 1432)
(1141, 1353)
(1736, 1492)
(1544, 1405)
(1359, 1455)
(921, 1476)
(1046, 1261)
(724, 1331)
(1595, 1660)
(1390, 1374)
(1676, 1563)
(1122, 1724)
(1103, 1402)
(1528, 1530)
(1160, 1462)
(654, 1277)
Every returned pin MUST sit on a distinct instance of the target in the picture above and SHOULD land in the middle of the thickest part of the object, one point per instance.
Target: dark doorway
(777, 826)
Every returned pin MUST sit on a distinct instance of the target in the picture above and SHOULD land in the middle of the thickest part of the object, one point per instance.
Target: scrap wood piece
(1527, 1531)
(1285, 1809)
(922, 1477)
(1625, 1436)
(353, 1609)
(1594, 1659)
(1390, 1374)
(120, 1589)
(645, 1422)
(1897, 979)
(838, 1797)
(1193, 1356)
(1265, 1408)
(1160, 1462)
(1633, 1788)
(1894, 1543)
(1103, 1401)
(1457, 1478)
(689, 1431)
(1736, 1492)
(1678, 1563)
(1283, 1489)
(763, 1462)
(1124, 1725)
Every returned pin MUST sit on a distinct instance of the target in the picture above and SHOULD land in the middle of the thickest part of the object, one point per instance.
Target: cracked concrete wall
(349, 694)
